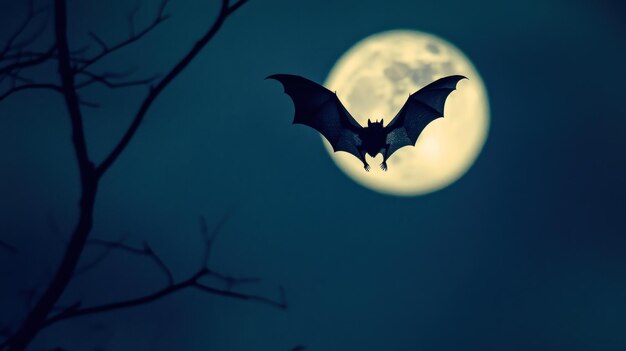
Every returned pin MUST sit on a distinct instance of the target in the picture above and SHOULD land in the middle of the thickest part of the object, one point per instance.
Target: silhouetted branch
(107, 50)
(225, 11)
(93, 263)
(209, 238)
(18, 78)
(280, 303)
(88, 103)
(195, 281)
(105, 79)
(131, 18)
(100, 42)
(11, 42)
(69, 92)
(145, 251)
(34, 320)
(191, 282)
(12, 52)
(34, 60)
(70, 66)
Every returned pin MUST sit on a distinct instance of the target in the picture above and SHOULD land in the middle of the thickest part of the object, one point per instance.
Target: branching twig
(12, 49)
(108, 50)
(11, 42)
(33, 61)
(145, 251)
(209, 238)
(96, 261)
(70, 66)
(105, 79)
(191, 282)
(100, 42)
(225, 11)
(194, 281)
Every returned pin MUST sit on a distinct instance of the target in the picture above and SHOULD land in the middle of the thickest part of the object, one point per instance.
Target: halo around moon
(373, 80)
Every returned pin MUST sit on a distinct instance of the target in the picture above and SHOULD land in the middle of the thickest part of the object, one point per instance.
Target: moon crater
(373, 80)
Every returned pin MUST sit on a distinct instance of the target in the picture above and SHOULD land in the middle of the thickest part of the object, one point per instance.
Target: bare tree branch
(209, 238)
(30, 16)
(225, 11)
(108, 50)
(34, 320)
(131, 18)
(69, 92)
(18, 78)
(100, 42)
(34, 61)
(191, 282)
(105, 79)
(12, 49)
(194, 281)
(71, 65)
(145, 251)
(98, 259)
(88, 103)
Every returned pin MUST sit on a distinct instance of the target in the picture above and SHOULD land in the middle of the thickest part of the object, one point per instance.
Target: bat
(320, 109)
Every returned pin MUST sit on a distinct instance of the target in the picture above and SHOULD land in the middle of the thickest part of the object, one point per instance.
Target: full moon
(373, 80)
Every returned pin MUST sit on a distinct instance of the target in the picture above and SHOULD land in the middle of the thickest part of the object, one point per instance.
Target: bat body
(319, 108)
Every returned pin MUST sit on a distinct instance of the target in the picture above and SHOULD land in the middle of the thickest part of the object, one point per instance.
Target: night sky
(527, 251)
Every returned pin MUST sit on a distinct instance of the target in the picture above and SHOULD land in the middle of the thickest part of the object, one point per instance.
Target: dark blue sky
(526, 252)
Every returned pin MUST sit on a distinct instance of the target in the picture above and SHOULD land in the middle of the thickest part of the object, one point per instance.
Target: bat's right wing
(320, 108)
(422, 107)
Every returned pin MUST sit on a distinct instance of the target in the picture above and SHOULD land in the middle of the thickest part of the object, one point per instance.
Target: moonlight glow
(373, 80)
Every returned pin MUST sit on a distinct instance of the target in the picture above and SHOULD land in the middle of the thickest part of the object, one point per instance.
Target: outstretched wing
(422, 107)
(320, 108)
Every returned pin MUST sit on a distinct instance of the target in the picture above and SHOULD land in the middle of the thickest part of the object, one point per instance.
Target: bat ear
(381, 121)
(369, 123)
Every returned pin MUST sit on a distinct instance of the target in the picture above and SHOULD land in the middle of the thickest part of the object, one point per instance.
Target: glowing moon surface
(373, 80)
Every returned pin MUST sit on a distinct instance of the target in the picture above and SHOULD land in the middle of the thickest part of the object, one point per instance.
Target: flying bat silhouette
(320, 108)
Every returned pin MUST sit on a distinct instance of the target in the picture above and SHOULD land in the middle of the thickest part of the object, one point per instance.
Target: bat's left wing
(422, 107)
(320, 108)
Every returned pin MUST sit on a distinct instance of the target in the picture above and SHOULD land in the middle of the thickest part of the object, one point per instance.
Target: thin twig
(33, 321)
(209, 238)
(194, 281)
(108, 249)
(105, 79)
(90, 104)
(20, 29)
(191, 282)
(44, 57)
(154, 93)
(281, 303)
(146, 251)
(100, 42)
(106, 50)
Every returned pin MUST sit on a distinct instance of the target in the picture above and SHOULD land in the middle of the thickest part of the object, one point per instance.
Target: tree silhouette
(75, 71)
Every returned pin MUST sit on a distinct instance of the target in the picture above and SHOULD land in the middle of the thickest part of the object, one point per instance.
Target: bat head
(376, 124)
